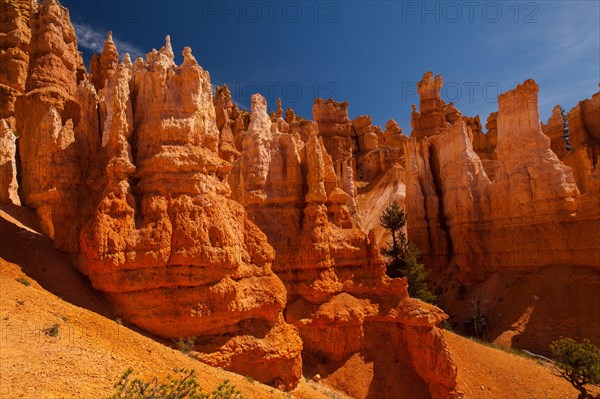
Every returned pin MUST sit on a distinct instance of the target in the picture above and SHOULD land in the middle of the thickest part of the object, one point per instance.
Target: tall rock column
(431, 118)
(339, 297)
(15, 35)
(48, 114)
(339, 137)
(103, 65)
(426, 223)
(8, 166)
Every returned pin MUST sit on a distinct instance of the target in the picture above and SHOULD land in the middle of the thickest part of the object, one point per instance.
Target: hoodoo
(256, 235)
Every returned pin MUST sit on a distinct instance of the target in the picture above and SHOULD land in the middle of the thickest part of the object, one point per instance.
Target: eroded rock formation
(526, 215)
(123, 169)
(431, 118)
(175, 255)
(525, 211)
(254, 232)
(47, 116)
(583, 154)
(338, 135)
(8, 167)
(338, 295)
(15, 35)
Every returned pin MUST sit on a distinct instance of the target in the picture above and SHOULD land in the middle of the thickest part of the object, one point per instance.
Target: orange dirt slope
(90, 351)
(489, 373)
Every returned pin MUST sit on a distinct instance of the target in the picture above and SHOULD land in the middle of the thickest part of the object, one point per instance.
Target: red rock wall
(335, 280)
(529, 214)
(8, 167)
(15, 35)
(48, 114)
(175, 255)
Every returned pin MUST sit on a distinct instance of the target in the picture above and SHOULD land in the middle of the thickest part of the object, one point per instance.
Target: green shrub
(226, 391)
(183, 385)
(52, 330)
(577, 363)
(185, 346)
(24, 281)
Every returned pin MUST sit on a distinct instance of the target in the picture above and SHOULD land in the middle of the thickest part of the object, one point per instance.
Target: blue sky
(369, 53)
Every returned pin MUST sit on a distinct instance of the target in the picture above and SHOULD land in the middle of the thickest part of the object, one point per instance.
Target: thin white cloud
(93, 39)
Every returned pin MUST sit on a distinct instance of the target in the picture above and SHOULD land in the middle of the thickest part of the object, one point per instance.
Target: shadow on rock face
(34, 252)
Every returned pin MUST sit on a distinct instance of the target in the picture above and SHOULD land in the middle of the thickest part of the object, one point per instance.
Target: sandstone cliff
(583, 124)
(15, 36)
(175, 255)
(8, 166)
(338, 295)
(522, 212)
(47, 115)
(259, 234)
(123, 170)
(458, 214)
(130, 170)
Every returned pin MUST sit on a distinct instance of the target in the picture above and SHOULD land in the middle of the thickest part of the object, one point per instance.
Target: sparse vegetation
(182, 385)
(186, 345)
(403, 256)
(566, 132)
(225, 390)
(446, 325)
(577, 363)
(52, 331)
(477, 324)
(24, 281)
(512, 351)
(20, 302)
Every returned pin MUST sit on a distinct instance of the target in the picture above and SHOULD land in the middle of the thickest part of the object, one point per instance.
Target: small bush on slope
(181, 386)
(577, 363)
(186, 346)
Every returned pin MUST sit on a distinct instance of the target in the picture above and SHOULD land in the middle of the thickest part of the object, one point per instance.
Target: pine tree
(577, 363)
(394, 219)
(403, 256)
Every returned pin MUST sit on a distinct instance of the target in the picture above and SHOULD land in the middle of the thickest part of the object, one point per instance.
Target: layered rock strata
(526, 215)
(123, 169)
(175, 255)
(8, 166)
(337, 290)
(47, 119)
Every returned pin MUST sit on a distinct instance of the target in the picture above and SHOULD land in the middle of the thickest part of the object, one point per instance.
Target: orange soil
(489, 373)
